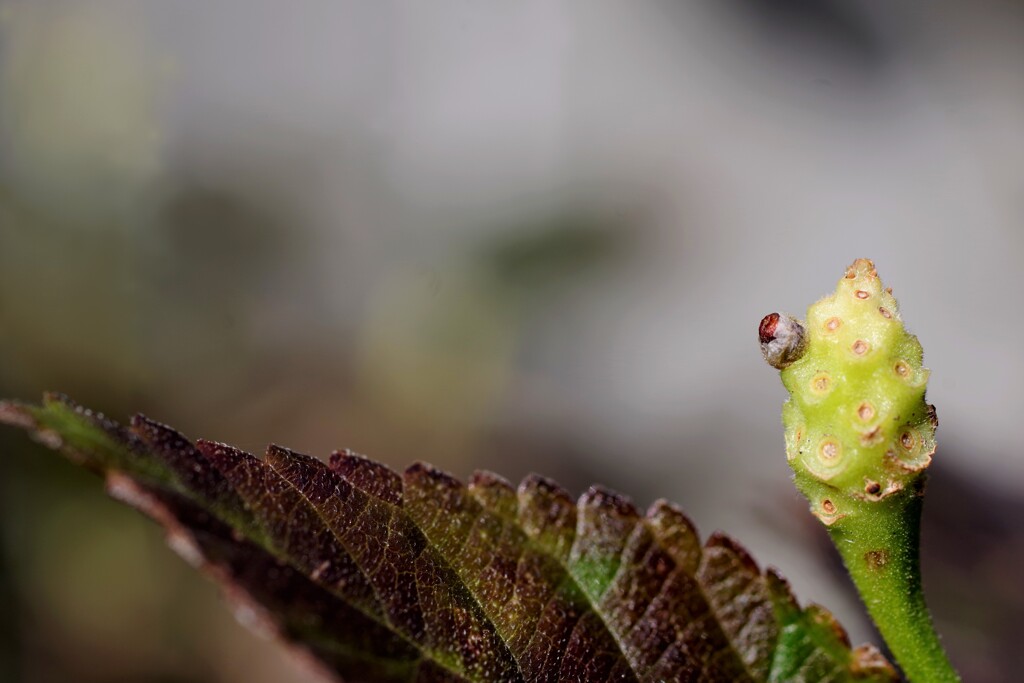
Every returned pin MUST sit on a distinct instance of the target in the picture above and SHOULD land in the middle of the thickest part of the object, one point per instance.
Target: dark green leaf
(417, 577)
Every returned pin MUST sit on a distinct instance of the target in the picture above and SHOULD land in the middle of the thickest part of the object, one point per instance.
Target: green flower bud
(859, 437)
(857, 424)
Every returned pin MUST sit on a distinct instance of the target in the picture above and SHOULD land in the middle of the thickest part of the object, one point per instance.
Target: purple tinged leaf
(495, 494)
(384, 577)
(741, 602)
(547, 513)
(372, 477)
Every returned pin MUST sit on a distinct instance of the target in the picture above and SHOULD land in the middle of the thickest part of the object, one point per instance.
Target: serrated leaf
(380, 576)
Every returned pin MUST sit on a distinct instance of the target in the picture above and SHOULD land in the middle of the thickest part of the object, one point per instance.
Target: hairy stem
(880, 550)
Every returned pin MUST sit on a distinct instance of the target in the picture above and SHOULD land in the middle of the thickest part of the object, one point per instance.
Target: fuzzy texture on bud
(859, 437)
(857, 424)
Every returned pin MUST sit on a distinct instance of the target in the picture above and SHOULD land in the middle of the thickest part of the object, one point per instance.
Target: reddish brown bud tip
(766, 330)
(782, 339)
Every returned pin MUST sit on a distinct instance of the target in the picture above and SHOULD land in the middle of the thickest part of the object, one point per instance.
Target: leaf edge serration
(174, 480)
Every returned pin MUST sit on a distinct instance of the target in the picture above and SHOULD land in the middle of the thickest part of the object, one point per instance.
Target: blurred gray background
(532, 235)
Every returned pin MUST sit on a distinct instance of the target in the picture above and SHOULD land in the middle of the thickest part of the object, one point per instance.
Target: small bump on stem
(783, 340)
(876, 559)
(828, 513)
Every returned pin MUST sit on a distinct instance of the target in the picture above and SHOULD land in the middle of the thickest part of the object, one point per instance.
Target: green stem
(879, 544)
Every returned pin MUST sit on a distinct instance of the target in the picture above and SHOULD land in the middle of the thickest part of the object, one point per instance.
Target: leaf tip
(675, 532)
(824, 618)
(727, 544)
(494, 492)
(663, 512)
(539, 495)
(277, 456)
(534, 483)
(158, 435)
(547, 511)
(609, 501)
(426, 475)
(487, 479)
(367, 475)
(868, 661)
(221, 454)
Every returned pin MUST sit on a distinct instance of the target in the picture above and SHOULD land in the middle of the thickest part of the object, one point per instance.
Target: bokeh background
(522, 236)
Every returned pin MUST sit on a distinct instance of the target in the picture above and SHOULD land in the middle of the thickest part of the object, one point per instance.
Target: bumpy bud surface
(857, 424)
(859, 436)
